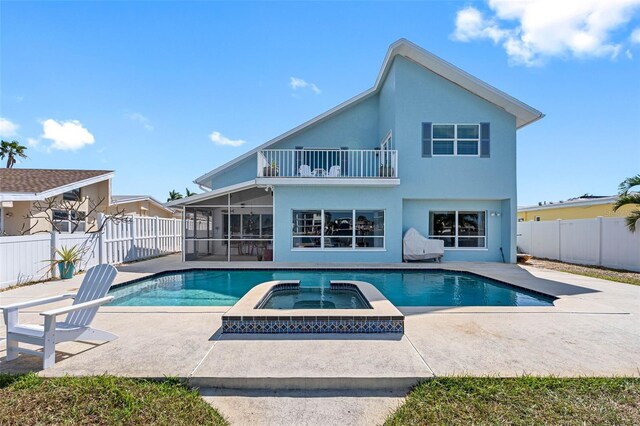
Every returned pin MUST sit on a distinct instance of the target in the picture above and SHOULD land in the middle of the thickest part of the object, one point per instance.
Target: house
(585, 207)
(142, 205)
(428, 146)
(71, 195)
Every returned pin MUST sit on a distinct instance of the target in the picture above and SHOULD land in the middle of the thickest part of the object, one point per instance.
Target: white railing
(328, 163)
(600, 241)
(23, 258)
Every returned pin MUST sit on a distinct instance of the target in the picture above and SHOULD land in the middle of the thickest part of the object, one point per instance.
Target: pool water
(314, 298)
(402, 288)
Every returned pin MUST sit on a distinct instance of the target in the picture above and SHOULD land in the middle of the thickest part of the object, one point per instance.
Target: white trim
(35, 196)
(328, 181)
(524, 113)
(212, 194)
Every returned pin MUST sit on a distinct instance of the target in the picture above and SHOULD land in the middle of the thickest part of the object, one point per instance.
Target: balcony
(322, 166)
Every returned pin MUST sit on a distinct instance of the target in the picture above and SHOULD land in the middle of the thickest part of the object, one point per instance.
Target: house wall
(576, 212)
(141, 208)
(409, 96)
(415, 214)
(15, 217)
(288, 198)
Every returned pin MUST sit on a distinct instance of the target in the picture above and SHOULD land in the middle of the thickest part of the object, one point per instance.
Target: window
(537, 218)
(338, 229)
(459, 229)
(73, 195)
(66, 220)
(455, 139)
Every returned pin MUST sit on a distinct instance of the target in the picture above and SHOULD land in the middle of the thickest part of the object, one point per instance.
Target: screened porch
(232, 227)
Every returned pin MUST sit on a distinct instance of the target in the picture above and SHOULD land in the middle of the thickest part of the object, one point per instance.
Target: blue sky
(139, 87)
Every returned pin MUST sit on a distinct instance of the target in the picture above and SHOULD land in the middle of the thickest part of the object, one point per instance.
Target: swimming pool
(402, 288)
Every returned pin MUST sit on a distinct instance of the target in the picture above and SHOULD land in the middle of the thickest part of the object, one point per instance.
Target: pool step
(308, 383)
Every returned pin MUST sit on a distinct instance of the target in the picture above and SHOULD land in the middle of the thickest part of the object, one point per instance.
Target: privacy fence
(24, 258)
(601, 241)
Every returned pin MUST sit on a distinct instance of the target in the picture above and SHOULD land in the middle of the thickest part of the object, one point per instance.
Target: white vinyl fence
(601, 241)
(24, 258)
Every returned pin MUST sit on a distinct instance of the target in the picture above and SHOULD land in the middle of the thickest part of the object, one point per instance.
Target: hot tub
(277, 307)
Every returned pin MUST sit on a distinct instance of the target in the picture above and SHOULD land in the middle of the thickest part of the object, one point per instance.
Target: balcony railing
(328, 163)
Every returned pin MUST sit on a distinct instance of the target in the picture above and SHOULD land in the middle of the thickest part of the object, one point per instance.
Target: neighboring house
(575, 208)
(21, 190)
(142, 205)
(428, 146)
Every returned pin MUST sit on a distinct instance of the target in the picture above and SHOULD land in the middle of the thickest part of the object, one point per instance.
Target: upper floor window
(455, 139)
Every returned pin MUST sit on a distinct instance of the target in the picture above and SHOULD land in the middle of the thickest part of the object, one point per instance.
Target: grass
(627, 277)
(521, 401)
(106, 400)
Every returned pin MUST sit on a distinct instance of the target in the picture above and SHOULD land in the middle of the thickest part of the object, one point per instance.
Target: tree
(174, 195)
(189, 193)
(628, 198)
(11, 150)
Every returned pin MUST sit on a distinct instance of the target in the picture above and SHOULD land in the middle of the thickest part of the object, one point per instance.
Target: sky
(163, 92)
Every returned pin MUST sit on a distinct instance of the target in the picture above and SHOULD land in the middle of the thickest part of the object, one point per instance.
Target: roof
(212, 194)
(574, 202)
(123, 199)
(524, 113)
(38, 184)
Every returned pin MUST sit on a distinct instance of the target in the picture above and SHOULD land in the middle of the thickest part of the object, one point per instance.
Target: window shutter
(485, 142)
(426, 139)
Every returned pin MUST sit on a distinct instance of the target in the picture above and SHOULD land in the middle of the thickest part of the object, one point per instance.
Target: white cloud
(297, 83)
(635, 36)
(66, 135)
(531, 31)
(139, 118)
(219, 139)
(8, 129)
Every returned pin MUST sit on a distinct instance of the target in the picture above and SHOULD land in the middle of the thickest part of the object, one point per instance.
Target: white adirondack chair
(305, 171)
(76, 326)
(334, 171)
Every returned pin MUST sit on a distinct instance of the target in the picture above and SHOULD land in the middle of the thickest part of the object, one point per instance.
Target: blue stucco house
(429, 146)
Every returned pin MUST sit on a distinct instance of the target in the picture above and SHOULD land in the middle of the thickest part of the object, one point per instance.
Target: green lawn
(105, 400)
(521, 401)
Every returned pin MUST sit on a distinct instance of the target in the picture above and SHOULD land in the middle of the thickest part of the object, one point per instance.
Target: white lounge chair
(76, 326)
(305, 171)
(334, 171)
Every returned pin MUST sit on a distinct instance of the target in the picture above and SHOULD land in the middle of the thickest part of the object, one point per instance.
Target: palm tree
(626, 197)
(189, 193)
(174, 195)
(11, 150)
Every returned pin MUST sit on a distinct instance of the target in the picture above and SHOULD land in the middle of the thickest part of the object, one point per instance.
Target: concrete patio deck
(593, 329)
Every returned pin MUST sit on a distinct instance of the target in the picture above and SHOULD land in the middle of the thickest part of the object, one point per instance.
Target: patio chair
(305, 171)
(76, 325)
(334, 171)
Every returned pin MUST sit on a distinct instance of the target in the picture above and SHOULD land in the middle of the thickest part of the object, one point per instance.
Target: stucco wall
(287, 199)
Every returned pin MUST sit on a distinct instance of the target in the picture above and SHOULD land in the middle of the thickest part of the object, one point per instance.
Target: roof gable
(32, 184)
(524, 113)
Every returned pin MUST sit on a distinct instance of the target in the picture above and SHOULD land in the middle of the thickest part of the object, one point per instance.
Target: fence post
(559, 222)
(156, 228)
(599, 219)
(101, 238)
(54, 247)
(133, 229)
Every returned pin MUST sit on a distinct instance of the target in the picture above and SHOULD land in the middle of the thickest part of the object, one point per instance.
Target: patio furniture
(305, 171)
(334, 171)
(319, 172)
(415, 246)
(76, 326)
